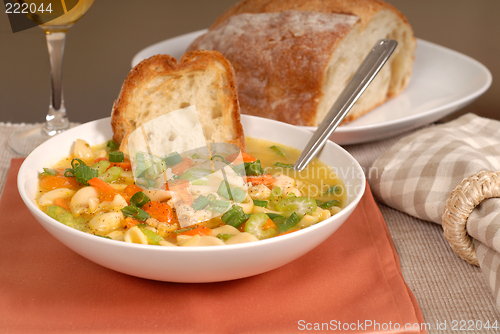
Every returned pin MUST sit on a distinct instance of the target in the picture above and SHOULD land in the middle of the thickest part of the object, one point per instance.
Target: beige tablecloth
(454, 296)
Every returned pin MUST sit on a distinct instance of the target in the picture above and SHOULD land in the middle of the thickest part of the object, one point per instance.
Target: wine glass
(55, 26)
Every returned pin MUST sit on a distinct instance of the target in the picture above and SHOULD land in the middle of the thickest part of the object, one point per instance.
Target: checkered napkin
(419, 172)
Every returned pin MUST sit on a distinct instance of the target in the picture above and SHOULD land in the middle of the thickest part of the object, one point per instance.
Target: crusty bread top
(293, 57)
(160, 85)
(364, 9)
(279, 59)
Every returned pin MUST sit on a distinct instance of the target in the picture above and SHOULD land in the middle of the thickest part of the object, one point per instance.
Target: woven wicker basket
(459, 205)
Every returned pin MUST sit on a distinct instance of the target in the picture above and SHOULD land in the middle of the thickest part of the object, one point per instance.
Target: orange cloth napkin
(351, 281)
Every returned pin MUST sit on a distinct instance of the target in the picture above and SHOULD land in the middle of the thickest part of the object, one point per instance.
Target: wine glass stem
(56, 119)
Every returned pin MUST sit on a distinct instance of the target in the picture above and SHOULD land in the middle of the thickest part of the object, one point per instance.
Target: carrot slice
(106, 191)
(198, 230)
(62, 202)
(50, 182)
(160, 211)
(130, 191)
(181, 188)
(126, 165)
(182, 166)
(245, 156)
(266, 179)
(269, 224)
(130, 222)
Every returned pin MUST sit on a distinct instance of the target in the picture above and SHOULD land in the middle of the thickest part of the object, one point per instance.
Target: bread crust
(124, 118)
(364, 9)
(273, 80)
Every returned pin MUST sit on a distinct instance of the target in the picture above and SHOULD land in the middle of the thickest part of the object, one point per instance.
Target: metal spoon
(366, 72)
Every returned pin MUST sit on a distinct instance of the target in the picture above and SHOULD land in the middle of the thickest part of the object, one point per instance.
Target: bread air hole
(216, 112)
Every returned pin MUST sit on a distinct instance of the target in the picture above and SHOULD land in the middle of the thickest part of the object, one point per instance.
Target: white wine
(57, 17)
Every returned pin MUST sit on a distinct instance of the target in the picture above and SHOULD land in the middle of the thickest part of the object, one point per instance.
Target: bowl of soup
(112, 220)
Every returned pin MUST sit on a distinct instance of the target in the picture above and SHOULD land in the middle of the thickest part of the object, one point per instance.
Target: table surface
(99, 51)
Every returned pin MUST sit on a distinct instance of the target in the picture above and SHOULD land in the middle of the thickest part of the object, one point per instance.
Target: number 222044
(25, 8)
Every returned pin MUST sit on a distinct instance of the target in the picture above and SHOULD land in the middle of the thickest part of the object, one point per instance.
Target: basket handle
(459, 205)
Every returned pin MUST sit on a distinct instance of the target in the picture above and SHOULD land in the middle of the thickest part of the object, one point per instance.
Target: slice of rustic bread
(160, 85)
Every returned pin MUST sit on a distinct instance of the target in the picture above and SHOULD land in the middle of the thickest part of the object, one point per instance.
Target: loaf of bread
(160, 85)
(294, 57)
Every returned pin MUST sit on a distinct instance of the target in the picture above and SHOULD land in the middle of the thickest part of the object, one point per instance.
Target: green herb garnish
(81, 172)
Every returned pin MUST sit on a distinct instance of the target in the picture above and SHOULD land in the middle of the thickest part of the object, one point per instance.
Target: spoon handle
(366, 72)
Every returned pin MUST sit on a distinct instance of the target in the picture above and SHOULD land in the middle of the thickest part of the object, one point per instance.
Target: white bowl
(192, 264)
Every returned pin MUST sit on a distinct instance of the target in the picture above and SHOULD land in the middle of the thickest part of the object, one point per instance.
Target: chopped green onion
(112, 145)
(232, 193)
(80, 171)
(277, 150)
(224, 236)
(235, 216)
(329, 204)
(195, 156)
(253, 168)
(134, 212)
(139, 199)
(219, 206)
(186, 229)
(334, 190)
(274, 216)
(48, 171)
(116, 156)
(172, 159)
(219, 158)
(289, 223)
(260, 203)
(283, 165)
(200, 203)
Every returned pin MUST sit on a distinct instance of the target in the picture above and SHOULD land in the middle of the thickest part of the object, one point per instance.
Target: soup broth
(94, 191)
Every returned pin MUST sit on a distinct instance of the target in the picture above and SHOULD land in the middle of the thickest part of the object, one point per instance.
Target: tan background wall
(100, 47)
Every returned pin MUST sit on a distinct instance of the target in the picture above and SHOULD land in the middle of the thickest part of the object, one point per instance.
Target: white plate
(443, 81)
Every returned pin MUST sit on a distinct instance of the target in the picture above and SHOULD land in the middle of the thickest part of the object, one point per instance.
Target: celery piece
(63, 216)
(112, 174)
(255, 225)
(153, 238)
(219, 206)
(301, 205)
(172, 159)
(101, 167)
